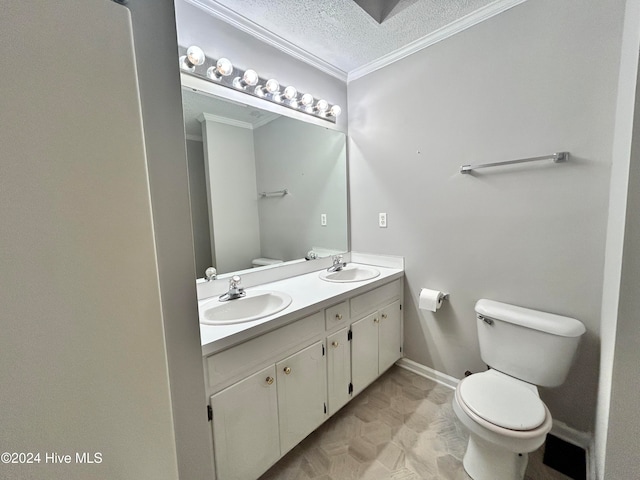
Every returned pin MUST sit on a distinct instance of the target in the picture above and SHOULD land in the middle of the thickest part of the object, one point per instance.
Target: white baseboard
(559, 429)
(580, 439)
(571, 435)
(428, 372)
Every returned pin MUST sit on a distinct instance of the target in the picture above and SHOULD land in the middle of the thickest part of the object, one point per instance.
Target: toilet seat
(503, 401)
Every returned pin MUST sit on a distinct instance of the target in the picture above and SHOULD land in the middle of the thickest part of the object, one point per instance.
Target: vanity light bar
(223, 72)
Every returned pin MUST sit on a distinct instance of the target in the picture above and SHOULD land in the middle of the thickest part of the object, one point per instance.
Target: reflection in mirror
(241, 159)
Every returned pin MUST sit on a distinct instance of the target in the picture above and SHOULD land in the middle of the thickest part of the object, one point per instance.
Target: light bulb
(249, 78)
(335, 111)
(195, 55)
(290, 93)
(272, 86)
(307, 99)
(322, 106)
(185, 64)
(223, 68)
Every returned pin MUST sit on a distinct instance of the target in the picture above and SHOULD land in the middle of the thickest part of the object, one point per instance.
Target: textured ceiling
(342, 33)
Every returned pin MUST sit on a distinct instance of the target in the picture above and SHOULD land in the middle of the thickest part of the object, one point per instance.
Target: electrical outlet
(323, 219)
(382, 220)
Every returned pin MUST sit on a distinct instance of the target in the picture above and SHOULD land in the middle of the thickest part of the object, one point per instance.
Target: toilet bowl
(501, 407)
(506, 420)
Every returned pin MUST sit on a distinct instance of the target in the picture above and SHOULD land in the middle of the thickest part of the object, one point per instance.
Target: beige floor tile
(402, 427)
(391, 456)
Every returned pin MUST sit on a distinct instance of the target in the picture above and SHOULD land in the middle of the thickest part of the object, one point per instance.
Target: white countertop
(309, 294)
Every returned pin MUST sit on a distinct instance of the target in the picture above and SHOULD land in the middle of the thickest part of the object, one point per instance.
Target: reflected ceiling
(194, 104)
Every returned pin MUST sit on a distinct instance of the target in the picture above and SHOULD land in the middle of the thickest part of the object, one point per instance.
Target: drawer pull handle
(335, 344)
(269, 380)
(339, 316)
(376, 320)
(287, 370)
(384, 316)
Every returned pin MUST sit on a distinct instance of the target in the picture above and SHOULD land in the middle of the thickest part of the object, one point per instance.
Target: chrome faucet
(235, 291)
(338, 264)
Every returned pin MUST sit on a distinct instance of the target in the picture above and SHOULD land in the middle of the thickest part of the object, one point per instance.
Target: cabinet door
(338, 369)
(389, 336)
(245, 427)
(302, 394)
(364, 352)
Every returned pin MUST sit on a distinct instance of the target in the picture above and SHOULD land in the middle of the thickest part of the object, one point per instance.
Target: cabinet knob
(335, 344)
(339, 316)
(269, 380)
(287, 370)
(376, 320)
(384, 315)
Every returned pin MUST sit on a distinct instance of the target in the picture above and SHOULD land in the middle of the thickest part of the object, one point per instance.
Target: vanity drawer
(242, 358)
(336, 315)
(371, 301)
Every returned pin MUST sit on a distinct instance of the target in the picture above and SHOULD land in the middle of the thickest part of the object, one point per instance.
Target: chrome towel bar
(556, 157)
(281, 193)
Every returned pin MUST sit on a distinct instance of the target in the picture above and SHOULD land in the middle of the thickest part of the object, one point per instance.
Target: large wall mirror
(241, 161)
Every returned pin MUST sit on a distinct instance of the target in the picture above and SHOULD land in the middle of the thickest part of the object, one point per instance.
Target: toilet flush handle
(486, 320)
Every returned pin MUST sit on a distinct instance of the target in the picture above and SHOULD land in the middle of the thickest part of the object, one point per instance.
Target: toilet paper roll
(430, 299)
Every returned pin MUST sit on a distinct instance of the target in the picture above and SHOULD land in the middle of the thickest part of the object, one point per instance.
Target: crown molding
(208, 117)
(447, 31)
(241, 23)
(244, 24)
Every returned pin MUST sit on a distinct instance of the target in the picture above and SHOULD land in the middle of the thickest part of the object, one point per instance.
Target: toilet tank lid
(534, 319)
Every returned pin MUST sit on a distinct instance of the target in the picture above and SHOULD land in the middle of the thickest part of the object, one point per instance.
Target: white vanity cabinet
(271, 391)
(338, 369)
(376, 337)
(262, 417)
(245, 426)
(302, 394)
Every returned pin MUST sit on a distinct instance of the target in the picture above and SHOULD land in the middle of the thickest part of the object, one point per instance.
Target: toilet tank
(534, 346)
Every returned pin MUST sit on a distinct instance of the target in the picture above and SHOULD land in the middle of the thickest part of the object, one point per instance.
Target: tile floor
(402, 427)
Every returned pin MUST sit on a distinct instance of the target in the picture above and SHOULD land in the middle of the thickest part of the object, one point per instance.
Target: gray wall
(199, 207)
(615, 321)
(536, 79)
(311, 162)
(218, 39)
(154, 29)
(230, 169)
(622, 444)
(92, 336)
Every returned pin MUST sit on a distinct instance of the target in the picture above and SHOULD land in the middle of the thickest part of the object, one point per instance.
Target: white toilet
(501, 407)
(262, 262)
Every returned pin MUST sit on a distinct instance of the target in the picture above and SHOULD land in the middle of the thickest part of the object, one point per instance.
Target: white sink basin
(256, 304)
(350, 273)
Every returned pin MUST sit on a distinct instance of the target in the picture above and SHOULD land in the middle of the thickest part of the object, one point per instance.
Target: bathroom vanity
(270, 382)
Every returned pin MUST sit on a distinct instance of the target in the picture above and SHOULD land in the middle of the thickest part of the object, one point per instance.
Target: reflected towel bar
(556, 157)
(280, 193)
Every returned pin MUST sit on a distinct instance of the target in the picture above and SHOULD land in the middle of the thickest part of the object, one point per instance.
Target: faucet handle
(337, 259)
(210, 274)
(234, 281)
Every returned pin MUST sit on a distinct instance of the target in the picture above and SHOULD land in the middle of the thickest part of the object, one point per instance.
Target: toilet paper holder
(431, 300)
